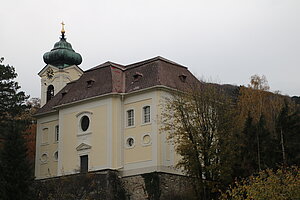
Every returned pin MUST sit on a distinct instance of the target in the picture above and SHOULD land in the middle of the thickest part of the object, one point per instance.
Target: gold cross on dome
(63, 27)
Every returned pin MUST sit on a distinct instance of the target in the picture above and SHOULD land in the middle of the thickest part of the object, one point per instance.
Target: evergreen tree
(258, 148)
(288, 133)
(15, 171)
(248, 150)
(266, 146)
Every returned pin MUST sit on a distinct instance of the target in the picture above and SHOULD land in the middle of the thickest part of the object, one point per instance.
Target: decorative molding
(83, 146)
(145, 142)
(84, 112)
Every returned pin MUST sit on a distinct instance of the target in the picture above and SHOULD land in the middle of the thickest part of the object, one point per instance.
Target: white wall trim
(109, 133)
(151, 168)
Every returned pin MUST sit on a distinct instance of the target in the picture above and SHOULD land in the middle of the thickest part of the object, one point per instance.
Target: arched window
(50, 92)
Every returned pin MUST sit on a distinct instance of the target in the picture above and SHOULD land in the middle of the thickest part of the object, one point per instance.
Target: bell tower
(61, 68)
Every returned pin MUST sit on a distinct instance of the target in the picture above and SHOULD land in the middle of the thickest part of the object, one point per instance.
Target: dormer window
(137, 76)
(90, 83)
(64, 93)
(182, 77)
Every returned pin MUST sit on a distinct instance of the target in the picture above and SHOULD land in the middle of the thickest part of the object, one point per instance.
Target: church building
(105, 118)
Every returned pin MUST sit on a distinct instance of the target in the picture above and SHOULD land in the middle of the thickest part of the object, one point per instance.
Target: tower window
(50, 92)
(84, 163)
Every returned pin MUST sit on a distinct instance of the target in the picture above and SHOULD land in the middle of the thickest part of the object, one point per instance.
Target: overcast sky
(225, 41)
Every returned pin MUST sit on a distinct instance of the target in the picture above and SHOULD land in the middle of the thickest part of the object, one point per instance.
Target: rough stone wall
(90, 186)
(177, 187)
(108, 185)
(134, 187)
(158, 186)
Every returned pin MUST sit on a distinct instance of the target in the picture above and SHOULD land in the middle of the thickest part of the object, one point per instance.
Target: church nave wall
(47, 147)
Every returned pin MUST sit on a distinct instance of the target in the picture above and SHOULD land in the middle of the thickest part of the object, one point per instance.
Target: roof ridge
(106, 64)
(133, 65)
(171, 62)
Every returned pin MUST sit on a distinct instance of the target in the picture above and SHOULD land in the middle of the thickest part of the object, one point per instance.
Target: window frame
(126, 142)
(144, 122)
(56, 133)
(79, 117)
(132, 124)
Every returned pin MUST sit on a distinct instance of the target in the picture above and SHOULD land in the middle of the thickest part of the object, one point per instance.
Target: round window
(44, 158)
(146, 139)
(130, 142)
(85, 122)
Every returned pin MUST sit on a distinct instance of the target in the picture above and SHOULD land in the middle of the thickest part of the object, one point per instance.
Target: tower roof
(62, 55)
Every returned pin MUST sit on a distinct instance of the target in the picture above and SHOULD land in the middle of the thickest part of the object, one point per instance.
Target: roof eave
(45, 113)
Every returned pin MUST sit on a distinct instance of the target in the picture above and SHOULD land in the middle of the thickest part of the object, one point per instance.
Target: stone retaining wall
(109, 185)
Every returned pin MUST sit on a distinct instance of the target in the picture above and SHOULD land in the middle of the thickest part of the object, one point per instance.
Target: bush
(268, 184)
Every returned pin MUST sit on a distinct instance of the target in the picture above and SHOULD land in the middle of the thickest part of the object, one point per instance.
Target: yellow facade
(139, 152)
(106, 140)
(47, 147)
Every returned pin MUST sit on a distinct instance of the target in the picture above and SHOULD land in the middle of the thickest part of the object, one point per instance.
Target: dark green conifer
(288, 136)
(15, 171)
(248, 151)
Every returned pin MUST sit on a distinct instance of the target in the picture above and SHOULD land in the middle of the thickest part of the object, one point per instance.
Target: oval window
(85, 122)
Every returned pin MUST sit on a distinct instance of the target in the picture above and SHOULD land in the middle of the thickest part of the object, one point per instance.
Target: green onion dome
(62, 55)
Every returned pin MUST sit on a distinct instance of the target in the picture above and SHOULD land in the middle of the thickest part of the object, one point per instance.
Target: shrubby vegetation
(280, 184)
